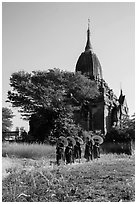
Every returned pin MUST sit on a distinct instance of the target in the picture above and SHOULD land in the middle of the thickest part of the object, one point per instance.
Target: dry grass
(110, 178)
(24, 150)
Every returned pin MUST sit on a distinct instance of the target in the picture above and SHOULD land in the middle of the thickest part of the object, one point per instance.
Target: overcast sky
(39, 36)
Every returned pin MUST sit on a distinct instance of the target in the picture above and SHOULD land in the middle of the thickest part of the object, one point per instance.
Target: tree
(7, 115)
(17, 129)
(45, 96)
(23, 135)
(48, 89)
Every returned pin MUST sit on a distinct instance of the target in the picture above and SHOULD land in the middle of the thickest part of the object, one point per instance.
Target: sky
(42, 36)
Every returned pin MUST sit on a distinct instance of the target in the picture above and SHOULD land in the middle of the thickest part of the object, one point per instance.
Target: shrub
(117, 147)
(118, 141)
(117, 135)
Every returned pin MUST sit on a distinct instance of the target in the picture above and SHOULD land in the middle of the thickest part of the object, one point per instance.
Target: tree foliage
(128, 127)
(128, 123)
(7, 116)
(46, 97)
(48, 89)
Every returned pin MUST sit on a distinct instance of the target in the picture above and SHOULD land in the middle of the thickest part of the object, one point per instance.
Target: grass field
(110, 178)
(24, 150)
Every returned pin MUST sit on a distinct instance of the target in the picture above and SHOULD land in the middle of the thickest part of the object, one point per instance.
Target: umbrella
(97, 137)
(90, 139)
(64, 140)
(79, 140)
(72, 139)
(89, 136)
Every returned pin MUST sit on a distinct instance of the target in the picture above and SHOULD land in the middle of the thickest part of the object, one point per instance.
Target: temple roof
(88, 63)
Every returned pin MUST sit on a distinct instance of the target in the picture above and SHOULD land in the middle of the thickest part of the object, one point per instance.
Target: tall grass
(36, 151)
(24, 150)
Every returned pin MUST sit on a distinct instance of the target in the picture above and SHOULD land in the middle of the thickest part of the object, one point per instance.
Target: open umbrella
(72, 139)
(89, 136)
(79, 140)
(90, 139)
(98, 138)
(64, 140)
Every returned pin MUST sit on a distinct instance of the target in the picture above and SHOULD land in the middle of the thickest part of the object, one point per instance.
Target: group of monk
(72, 151)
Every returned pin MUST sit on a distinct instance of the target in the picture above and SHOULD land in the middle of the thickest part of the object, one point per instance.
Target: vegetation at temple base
(128, 127)
(123, 133)
(45, 98)
(121, 139)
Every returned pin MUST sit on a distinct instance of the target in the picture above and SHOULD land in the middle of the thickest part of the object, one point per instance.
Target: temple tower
(104, 112)
(88, 62)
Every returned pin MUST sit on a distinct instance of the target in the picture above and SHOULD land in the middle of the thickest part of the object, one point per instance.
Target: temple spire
(88, 45)
(88, 24)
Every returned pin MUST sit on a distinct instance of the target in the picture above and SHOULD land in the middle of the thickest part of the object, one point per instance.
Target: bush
(118, 141)
(116, 135)
(117, 147)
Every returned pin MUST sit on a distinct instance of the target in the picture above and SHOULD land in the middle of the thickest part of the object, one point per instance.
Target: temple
(107, 111)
